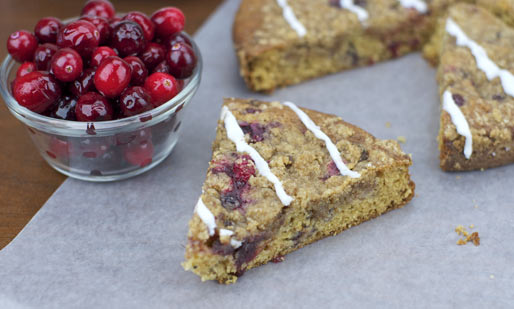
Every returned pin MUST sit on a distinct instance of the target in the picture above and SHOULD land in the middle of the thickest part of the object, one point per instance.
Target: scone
(475, 52)
(282, 177)
(284, 42)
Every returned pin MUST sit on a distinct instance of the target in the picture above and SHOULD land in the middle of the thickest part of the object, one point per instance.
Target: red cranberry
(93, 107)
(243, 171)
(65, 108)
(58, 149)
(143, 21)
(138, 136)
(139, 153)
(102, 25)
(162, 88)
(80, 35)
(162, 67)
(128, 38)
(152, 55)
(113, 22)
(36, 91)
(92, 147)
(182, 60)
(139, 71)
(43, 56)
(99, 55)
(21, 45)
(168, 21)
(135, 100)
(67, 65)
(47, 29)
(112, 76)
(102, 8)
(83, 84)
(25, 69)
(177, 38)
(255, 130)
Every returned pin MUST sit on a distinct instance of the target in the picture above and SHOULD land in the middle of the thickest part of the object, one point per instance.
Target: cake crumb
(402, 139)
(473, 237)
(471, 226)
(278, 259)
(388, 124)
(491, 276)
(457, 177)
(482, 169)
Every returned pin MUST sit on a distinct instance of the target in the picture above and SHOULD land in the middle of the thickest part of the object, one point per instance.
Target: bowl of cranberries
(102, 95)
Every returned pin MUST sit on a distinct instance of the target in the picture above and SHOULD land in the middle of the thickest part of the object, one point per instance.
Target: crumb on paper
(278, 259)
(388, 124)
(471, 226)
(402, 139)
(482, 169)
(457, 177)
(473, 237)
(491, 276)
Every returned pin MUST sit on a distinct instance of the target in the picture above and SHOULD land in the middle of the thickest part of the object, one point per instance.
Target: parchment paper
(120, 245)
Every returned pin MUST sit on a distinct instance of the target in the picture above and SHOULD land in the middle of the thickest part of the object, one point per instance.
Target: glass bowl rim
(99, 128)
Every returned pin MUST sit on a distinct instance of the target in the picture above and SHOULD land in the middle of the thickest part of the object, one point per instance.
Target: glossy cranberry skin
(21, 45)
(65, 108)
(112, 76)
(139, 71)
(153, 55)
(139, 153)
(25, 69)
(168, 21)
(162, 67)
(36, 91)
(102, 25)
(135, 100)
(102, 8)
(47, 29)
(80, 35)
(128, 38)
(93, 106)
(181, 59)
(99, 55)
(162, 88)
(67, 65)
(84, 84)
(43, 56)
(142, 20)
(176, 38)
(58, 149)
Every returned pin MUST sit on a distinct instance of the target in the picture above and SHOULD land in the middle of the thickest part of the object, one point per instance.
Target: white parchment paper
(120, 245)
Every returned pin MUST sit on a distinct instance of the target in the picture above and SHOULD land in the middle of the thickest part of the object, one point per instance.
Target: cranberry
(102, 25)
(182, 60)
(93, 107)
(102, 8)
(177, 38)
(112, 76)
(255, 130)
(139, 71)
(243, 171)
(162, 67)
(143, 21)
(67, 65)
(152, 55)
(43, 56)
(65, 108)
(25, 69)
(36, 91)
(83, 84)
(139, 153)
(58, 149)
(168, 21)
(162, 88)
(113, 22)
(135, 100)
(80, 35)
(138, 136)
(47, 29)
(458, 99)
(21, 45)
(92, 147)
(128, 38)
(99, 55)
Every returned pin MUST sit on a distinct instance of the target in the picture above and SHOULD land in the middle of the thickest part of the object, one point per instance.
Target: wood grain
(26, 180)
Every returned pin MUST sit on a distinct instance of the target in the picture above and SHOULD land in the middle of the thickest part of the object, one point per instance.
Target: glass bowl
(107, 150)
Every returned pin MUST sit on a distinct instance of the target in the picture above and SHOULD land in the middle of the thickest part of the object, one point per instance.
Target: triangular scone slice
(477, 118)
(283, 177)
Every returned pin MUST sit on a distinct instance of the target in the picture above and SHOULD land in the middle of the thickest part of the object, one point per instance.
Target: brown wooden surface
(26, 180)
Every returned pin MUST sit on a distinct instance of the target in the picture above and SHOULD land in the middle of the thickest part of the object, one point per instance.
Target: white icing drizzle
(332, 149)
(236, 135)
(484, 63)
(291, 19)
(361, 13)
(418, 5)
(233, 242)
(206, 216)
(459, 121)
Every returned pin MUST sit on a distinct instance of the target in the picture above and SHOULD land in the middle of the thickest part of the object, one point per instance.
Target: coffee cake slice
(476, 84)
(281, 178)
(284, 42)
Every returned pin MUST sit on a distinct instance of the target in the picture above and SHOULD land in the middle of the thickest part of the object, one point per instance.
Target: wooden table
(26, 180)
